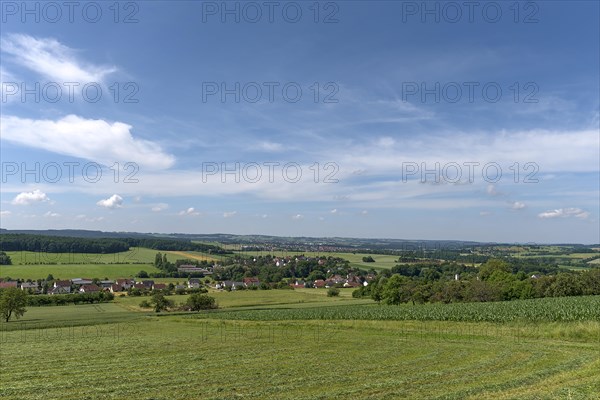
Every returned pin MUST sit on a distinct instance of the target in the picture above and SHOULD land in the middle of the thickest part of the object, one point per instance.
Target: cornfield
(584, 308)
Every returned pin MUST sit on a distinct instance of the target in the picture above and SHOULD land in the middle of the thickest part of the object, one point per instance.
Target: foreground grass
(177, 357)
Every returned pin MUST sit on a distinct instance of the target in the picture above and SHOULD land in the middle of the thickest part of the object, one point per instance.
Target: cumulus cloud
(5, 213)
(95, 140)
(565, 213)
(190, 211)
(114, 201)
(26, 198)
(51, 59)
(229, 214)
(334, 211)
(51, 214)
(298, 216)
(517, 205)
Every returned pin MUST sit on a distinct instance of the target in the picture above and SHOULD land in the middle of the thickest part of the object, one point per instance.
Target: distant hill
(284, 241)
(78, 233)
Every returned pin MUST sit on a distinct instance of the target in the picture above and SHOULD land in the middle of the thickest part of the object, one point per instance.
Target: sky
(384, 119)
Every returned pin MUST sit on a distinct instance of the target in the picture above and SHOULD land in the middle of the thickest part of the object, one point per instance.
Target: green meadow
(110, 351)
(110, 271)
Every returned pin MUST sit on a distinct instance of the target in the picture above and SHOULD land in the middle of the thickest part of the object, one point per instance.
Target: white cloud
(229, 214)
(364, 212)
(89, 219)
(190, 211)
(5, 213)
(334, 211)
(517, 205)
(160, 207)
(491, 190)
(548, 151)
(298, 216)
(95, 140)
(484, 213)
(51, 59)
(114, 201)
(26, 198)
(386, 142)
(565, 213)
(270, 146)
(51, 214)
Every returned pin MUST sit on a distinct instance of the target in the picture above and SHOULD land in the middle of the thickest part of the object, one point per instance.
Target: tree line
(62, 244)
(493, 281)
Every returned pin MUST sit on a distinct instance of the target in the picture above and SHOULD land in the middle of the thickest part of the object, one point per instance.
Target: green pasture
(101, 352)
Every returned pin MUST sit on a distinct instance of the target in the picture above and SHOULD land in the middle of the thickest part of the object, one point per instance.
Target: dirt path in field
(191, 256)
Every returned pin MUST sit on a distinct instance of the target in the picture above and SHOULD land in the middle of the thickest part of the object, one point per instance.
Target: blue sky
(352, 118)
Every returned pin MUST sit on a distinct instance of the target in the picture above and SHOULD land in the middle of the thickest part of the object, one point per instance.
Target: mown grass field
(125, 354)
(261, 298)
(110, 271)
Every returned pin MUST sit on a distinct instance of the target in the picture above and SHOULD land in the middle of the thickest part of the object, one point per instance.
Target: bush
(333, 292)
(145, 304)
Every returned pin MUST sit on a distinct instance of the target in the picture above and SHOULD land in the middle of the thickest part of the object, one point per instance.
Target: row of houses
(235, 285)
(350, 281)
(83, 285)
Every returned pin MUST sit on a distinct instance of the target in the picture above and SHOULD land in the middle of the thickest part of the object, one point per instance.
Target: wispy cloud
(565, 213)
(51, 59)
(160, 207)
(190, 211)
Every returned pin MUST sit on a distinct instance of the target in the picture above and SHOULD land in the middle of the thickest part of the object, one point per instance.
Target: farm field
(301, 358)
(37, 265)
(134, 255)
(110, 271)
(382, 261)
(261, 298)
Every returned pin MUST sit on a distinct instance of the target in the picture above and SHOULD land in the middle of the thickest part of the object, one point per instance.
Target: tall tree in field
(12, 301)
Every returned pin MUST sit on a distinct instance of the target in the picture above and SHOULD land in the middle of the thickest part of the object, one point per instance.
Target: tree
(12, 301)
(198, 301)
(160, 302)
(5, 259)
(493, 265)
(377, 288)
(333, 292)
(142, 274)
